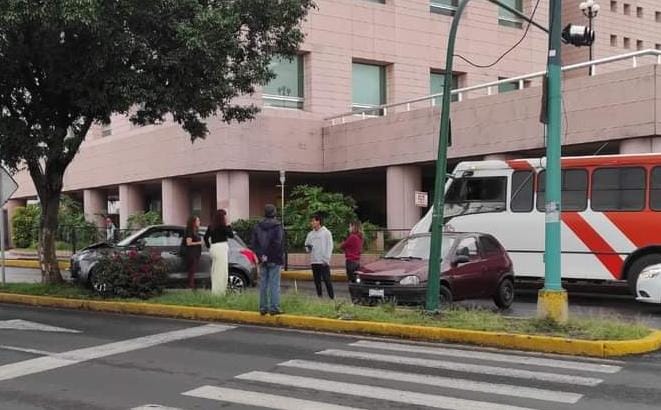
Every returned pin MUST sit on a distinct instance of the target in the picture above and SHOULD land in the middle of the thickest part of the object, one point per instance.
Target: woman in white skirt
(216, 240)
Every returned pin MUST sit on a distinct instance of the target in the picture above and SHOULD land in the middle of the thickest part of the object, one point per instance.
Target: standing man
(267, 242)
(319, 243)
(110, 230)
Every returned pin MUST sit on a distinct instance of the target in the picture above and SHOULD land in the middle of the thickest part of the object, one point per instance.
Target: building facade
(332, 116)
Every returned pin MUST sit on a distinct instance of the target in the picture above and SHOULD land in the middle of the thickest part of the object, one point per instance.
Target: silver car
(166, 239)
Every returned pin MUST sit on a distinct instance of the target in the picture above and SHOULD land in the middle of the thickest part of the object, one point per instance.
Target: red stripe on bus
(597, 245)
(642, 228)
(519, 165)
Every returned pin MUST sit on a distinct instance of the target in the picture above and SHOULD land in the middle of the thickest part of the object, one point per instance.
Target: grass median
(457, 317)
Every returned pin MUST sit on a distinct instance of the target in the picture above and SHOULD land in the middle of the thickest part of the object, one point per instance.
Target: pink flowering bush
(130, 274)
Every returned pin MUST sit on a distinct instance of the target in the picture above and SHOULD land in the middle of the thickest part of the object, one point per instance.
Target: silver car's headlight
(650, 274)
(410, 280)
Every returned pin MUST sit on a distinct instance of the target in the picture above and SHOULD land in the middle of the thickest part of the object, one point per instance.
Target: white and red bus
(611, 213)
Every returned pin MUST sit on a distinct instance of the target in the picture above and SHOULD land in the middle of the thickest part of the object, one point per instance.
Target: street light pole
(590, 9)
(552, 301)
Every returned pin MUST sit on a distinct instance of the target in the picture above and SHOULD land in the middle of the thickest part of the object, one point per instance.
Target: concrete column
(636, 146)
(233, 193)
(131, 200)
(499, 157)
(401, 184)
(95, 206)
(176, 201)
(11, 206)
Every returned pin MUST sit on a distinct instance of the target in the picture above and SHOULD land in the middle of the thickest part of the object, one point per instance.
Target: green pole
(434, 278)
(552, 251)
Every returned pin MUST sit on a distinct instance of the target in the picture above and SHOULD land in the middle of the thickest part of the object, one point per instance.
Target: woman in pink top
(353, 247)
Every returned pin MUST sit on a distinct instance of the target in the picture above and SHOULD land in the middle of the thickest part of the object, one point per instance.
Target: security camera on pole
(590, 9)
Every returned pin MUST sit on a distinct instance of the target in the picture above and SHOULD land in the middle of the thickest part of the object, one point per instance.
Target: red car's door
(495, 262)
(468, 279)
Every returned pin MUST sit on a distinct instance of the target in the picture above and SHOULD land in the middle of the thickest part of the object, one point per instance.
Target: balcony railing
(282, 101)
(461, 93)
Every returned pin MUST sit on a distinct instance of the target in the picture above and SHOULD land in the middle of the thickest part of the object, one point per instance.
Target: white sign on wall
(421, 199)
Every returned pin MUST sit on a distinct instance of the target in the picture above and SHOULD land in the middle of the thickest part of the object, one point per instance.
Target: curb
(543, 344)
(303, 275)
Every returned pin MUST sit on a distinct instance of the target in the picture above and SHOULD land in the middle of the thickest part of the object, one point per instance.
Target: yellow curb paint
(493, 339)
(31, 264)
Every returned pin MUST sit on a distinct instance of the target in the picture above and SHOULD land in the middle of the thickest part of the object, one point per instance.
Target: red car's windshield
(417, 247)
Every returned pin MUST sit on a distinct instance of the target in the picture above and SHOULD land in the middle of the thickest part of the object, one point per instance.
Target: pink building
(366, 53)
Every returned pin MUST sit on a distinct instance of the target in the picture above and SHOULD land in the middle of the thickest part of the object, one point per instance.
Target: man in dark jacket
(267, 242)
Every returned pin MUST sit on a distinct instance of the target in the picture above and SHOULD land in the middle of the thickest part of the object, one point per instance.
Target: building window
(658, 46)
(613, 40)
(286, 89)
(626, 42)
(447, 7)
(613, 6)
(377, 1)
(657, 16)
(106, 130)
(618, 189)
(627, 9)
(639, 12)
(511, 85)
(506, 18)
(368, 87)
(639, 44)
(436, 83)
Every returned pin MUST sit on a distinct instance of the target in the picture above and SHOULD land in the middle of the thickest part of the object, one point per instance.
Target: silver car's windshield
(417, 247)
(130, 239)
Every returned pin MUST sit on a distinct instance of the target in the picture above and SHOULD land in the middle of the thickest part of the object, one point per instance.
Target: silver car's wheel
(236, 282)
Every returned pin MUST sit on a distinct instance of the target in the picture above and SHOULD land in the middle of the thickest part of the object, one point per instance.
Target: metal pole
(2, 238)
(435, 257)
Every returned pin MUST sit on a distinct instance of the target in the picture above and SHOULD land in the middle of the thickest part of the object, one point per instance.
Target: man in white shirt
(319, 243)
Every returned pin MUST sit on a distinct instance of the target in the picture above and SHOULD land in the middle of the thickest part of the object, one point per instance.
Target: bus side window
(618, 189)
(522, 195)
(574, 190)
(655, 189)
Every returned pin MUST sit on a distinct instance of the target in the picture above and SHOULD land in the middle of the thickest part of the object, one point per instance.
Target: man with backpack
(267, 242)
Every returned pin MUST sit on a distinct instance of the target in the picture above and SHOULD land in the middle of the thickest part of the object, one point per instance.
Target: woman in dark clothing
(216, 240)
(353, 247)
(193, 248)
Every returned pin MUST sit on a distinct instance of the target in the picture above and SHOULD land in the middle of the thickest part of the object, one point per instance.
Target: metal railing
(358, 114)
(282, 101)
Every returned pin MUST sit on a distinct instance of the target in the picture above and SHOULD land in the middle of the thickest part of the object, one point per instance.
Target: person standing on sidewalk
(319, 243)
(353, 247)
(267, 242)
(216, 240)
(193, 247)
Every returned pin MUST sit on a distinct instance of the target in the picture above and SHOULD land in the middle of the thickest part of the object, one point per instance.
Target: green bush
(130, 275)
(25, 226)
(244, 228)
(141, 219)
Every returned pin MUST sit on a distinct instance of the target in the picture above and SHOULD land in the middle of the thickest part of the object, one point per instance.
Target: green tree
(68, 64)
(140, 220)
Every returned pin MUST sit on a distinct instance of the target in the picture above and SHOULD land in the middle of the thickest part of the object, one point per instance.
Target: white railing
(461, 92)
(272, 100)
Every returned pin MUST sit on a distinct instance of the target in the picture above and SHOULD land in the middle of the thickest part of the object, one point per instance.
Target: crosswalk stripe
(464, 367)
(271, 401)
(155, 407)
(375, 392)
(445, 382)
(494, 357)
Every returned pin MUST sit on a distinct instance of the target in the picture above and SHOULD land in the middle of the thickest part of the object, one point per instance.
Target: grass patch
(469, 318)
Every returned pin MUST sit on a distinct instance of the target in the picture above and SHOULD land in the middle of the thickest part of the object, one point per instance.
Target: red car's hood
(394, 268)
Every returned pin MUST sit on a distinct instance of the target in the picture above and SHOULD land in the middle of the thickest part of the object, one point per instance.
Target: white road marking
(374, 392)
(25, 350)
(494, 357)
(155, 406)
(42, 364)
(271, 401)
(464, 367)
(19, 324)
(437, 381)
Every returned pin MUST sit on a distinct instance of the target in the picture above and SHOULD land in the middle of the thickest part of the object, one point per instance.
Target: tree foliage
(141, 220)
(68, 64)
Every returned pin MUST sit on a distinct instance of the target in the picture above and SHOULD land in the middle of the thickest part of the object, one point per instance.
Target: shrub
(244, 228)
(140, 220)
(25, 226)
(130, 274)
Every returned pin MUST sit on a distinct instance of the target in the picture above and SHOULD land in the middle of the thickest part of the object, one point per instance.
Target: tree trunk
(48, 223)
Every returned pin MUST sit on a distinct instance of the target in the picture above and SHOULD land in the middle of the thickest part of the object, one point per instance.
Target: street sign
(7, 188)
(421, 199)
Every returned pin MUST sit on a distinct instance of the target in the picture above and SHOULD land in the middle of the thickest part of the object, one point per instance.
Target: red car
(475, 265)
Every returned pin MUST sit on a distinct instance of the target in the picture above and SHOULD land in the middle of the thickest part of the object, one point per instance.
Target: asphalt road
(128, 362)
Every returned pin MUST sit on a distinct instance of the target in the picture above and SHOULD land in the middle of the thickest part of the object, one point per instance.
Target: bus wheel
(637, 266)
